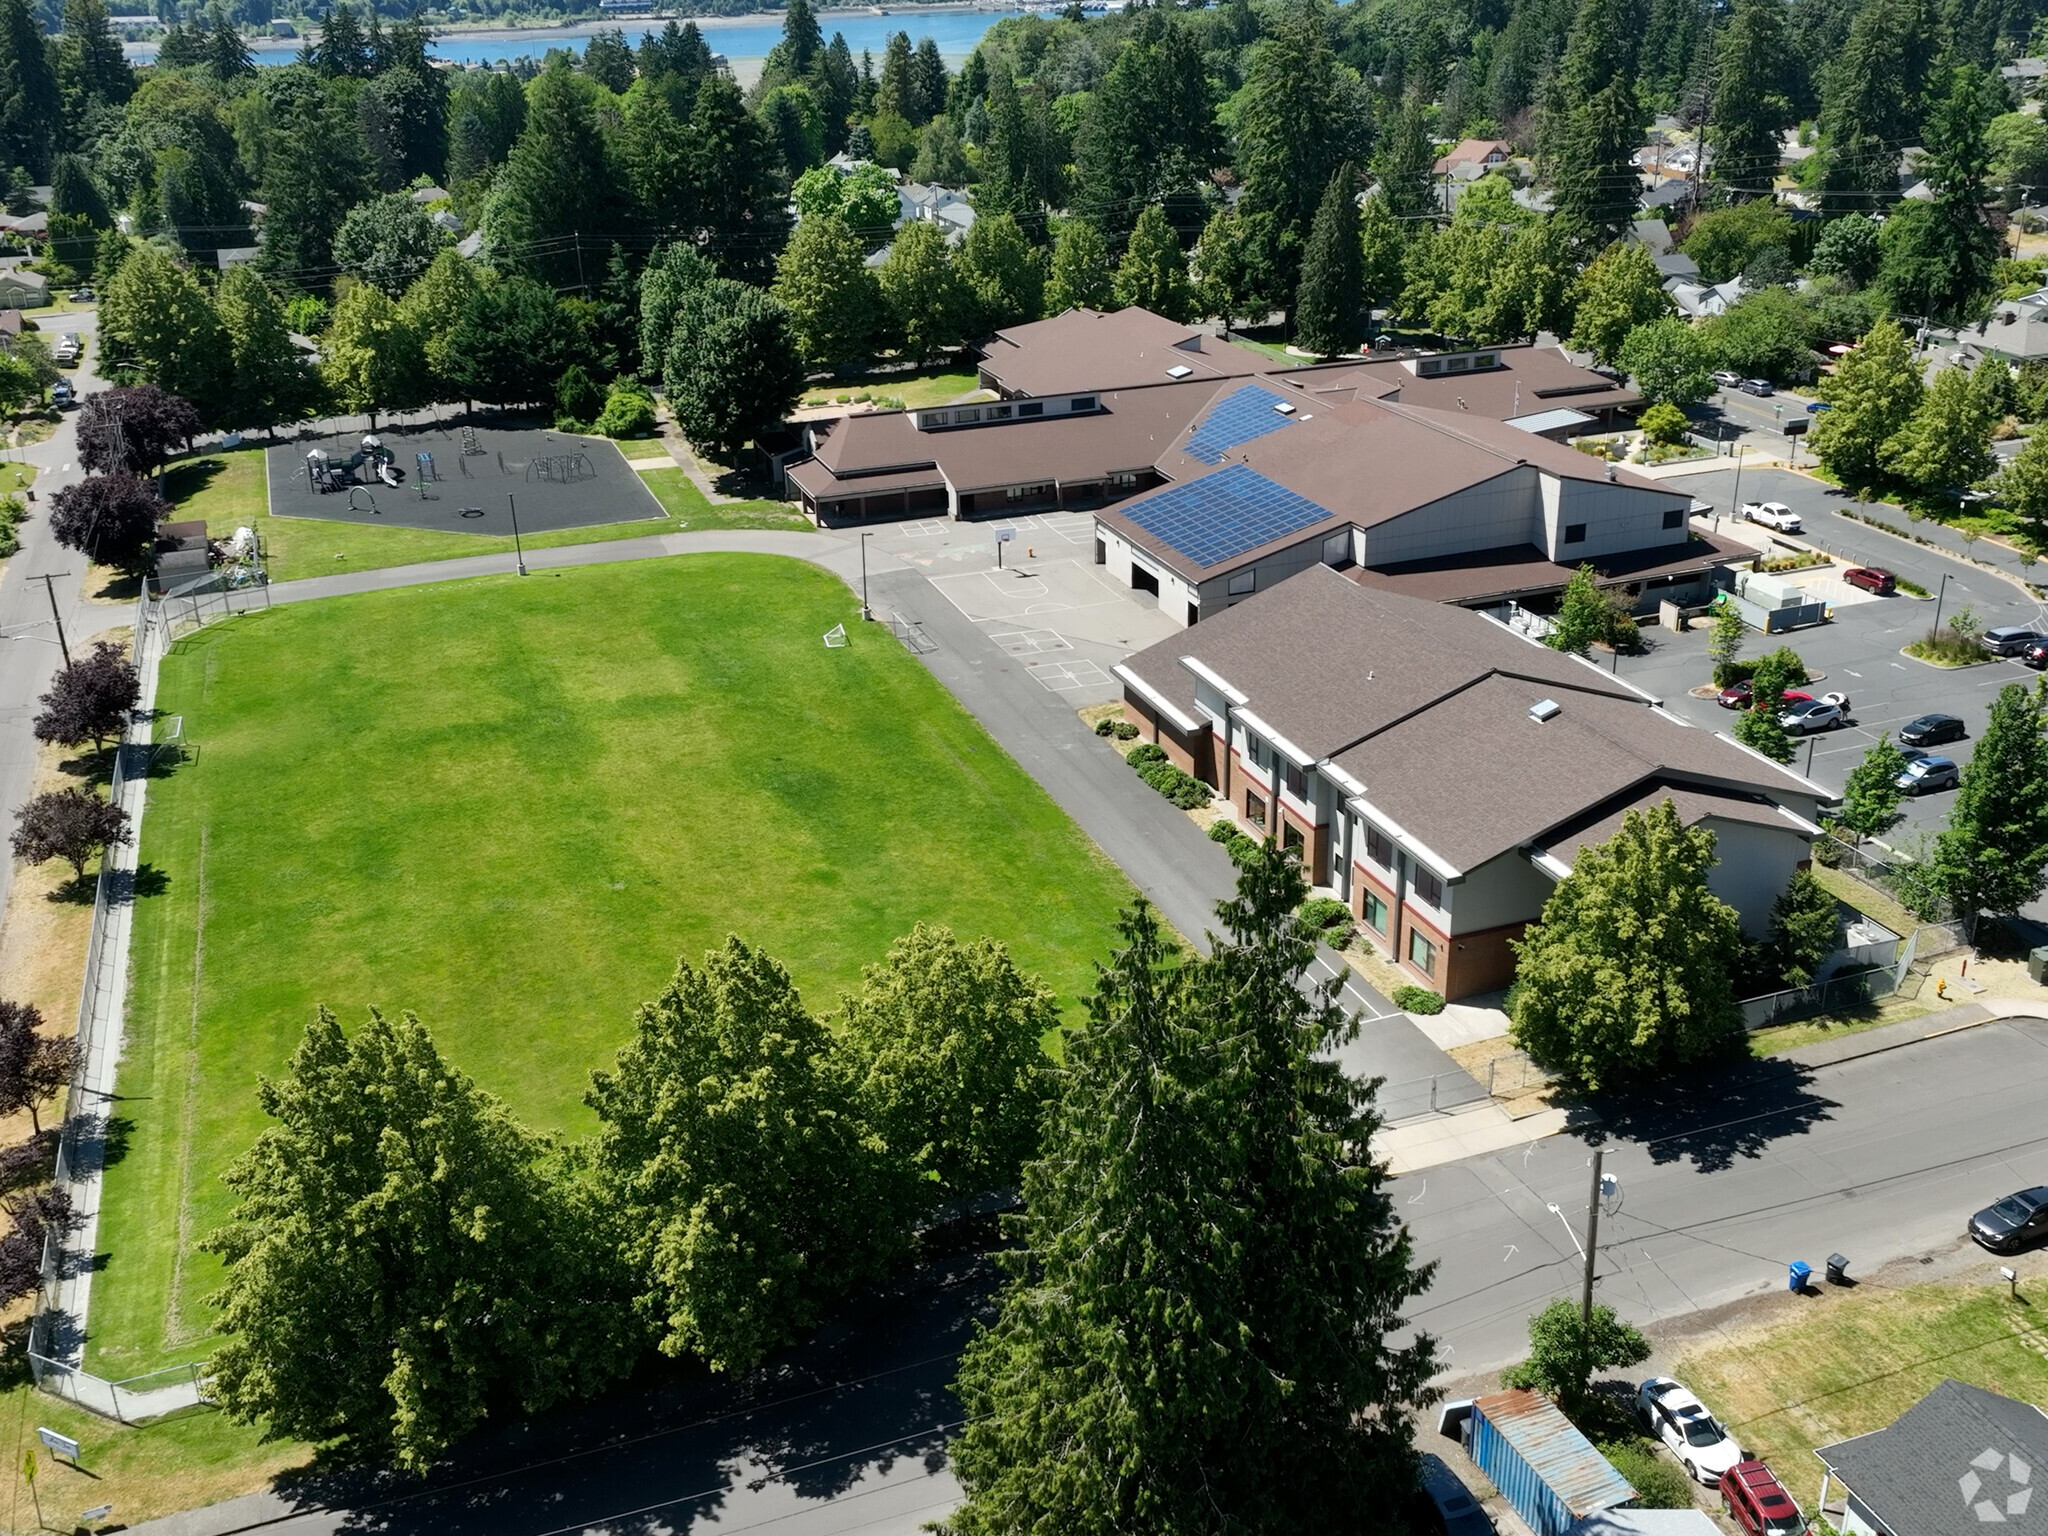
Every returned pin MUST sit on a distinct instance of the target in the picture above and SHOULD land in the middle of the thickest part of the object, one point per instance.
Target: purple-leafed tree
(68, 824)
(134, 429)
(108, 518)
(89, 700)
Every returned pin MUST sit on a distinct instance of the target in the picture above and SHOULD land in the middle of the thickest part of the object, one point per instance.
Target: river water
(744, 40)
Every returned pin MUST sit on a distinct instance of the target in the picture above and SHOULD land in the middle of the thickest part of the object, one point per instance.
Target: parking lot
(1858, 654)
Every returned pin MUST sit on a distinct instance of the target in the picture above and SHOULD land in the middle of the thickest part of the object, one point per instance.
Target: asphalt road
(1879, 1159)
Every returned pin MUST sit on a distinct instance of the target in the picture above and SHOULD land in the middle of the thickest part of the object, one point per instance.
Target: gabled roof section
(1934, 1470)
(1237, 417)
(1087, 349)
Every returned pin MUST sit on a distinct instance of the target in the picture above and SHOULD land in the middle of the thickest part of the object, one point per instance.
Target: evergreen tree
(794, 128)
(1620, 291)
(556, 189)
(737, 204)
(1937, 259)
(834, 304)
(1583, 617)
(1154, 274)
(1874, 393)
(730, 1144)
(511, 343)
(227, 57)
(268, 380)
(311, 180)
(895, 95)
(402, 115)
(343, 51)
(1592, 123)
(1080, 275)
(1873, 98)
(31, 107)
(928, 83)
(1301, 115)
(1806, 927)
(1195, 1336)
(1752, 103)
(92, 72)
(926, 301)
(608, 61)
(1003, 274)
(1993, 856)
(404, 1257)
(1327, 318)
(1149, 134)
(1626, 973)
(1405, 163)
(731, 366)
(1946, 443)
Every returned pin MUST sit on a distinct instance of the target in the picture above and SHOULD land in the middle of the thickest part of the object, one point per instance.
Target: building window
(1291, 838)
(1375, 914)
(1026, 492)
(1379, 847)
(1421, 953)
(1432, 365)
(969, 414)
(999, 413)
(1486, 360)
(1575, 533)
(1254, 809)
(1031, 408)
(1428, 888)
(1297, 780)
(1081, 403)
(1242, 582)
(934, 419)
(1125, 477)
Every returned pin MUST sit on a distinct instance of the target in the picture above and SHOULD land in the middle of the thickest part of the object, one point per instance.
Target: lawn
(228, 490)
(1855, 1361)
(510, 806)
(915, 390)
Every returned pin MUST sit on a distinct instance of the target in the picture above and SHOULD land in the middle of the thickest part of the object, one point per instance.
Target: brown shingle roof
(1428, 707)
(1088, 350)
(1547, 379)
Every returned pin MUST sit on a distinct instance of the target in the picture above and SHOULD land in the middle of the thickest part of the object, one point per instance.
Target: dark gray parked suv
(2010, 639)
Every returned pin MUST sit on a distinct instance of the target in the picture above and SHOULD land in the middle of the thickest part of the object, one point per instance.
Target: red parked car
(1872, 578)
(1738, 695)
(1758, 1503)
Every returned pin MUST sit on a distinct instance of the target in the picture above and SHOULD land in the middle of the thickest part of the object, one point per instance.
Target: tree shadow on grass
(1714, 1117)
(78, 891)
(94, 766)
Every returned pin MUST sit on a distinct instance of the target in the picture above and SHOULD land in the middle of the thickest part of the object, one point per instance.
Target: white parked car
(1688, 1431)
(1772, 514)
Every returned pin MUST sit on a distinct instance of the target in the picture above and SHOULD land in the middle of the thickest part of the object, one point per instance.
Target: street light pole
(1592, 1242)
(866, 613)
(1940, 593)
(50, 587)
(1735, 506)
(518, 549)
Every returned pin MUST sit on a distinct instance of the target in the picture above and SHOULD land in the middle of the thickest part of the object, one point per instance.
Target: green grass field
(510, 806)
(228, 490)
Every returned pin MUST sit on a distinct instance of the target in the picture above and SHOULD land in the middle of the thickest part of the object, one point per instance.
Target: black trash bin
(1838, 1269)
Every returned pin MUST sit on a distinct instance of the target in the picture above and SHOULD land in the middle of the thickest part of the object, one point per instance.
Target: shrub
(1104, 727)
(1148, 752)
(1183, 789)
(1661, 1483)
(1324, 912)
(1224, 832)
(1729, 673)
(1664, 424)
(626, 414)
(1418, 1000)
(1125, 731)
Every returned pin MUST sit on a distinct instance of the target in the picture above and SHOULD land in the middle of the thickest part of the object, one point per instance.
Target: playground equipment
(561, 469)
(469, 443)
(371, 461)
(360, 500)
(425, 473)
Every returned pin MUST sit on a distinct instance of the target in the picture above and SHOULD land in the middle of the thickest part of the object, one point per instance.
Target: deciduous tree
(370, 361)
(730, 1144)
(404, 1258)
(1946, 443)
(1154, 274)
(2022, 487)
(110, 519)
(1668, 361)
(1626, 973)
(1848, 250)
(89, 700)
(1993, 855)
(949, 1069)
(1080, 276)
(388, 243)
(271, 380)
(1003, 273)
(157, 324)
(74, 825)
(731, 366)
(134, 429)
(928, 305)
(1870, 796)
(510, 343)
(1564, 1352)
(1874, 393)
(834, 303)
(1621, 291)
(34, 1067)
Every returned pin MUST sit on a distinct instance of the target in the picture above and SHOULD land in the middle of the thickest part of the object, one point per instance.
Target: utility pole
(866, 612)
(1592, 1242)
(50, 587)
(519, 550)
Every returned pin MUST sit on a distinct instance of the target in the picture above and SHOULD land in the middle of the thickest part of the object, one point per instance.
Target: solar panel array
(1238, 417)
(1221, 515)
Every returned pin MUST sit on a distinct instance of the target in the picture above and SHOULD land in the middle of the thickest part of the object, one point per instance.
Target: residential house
(21, 289)
(950, 209)
(2017, 330)
(1957, 1462)
(1476, 156)
(1696, 300)
(1441, 772)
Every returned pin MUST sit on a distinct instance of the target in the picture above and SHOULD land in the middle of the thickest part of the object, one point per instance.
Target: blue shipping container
(1540, 1462)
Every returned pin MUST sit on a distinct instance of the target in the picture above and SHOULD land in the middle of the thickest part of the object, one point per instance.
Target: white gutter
(1158, 700)
(1301, 759)
(1343, 780)
(1552, 866)
(1798, 778)
(1799, 821)
(1215, 680)
(1414, 844)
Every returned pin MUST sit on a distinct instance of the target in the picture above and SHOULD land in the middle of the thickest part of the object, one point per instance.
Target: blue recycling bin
(1800, 1272)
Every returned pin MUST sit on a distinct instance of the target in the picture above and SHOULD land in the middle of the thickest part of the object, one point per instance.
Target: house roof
(1956, 1461)
(1522, 569)
(1473, 152)
(1427, 706)
(1086, 349)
